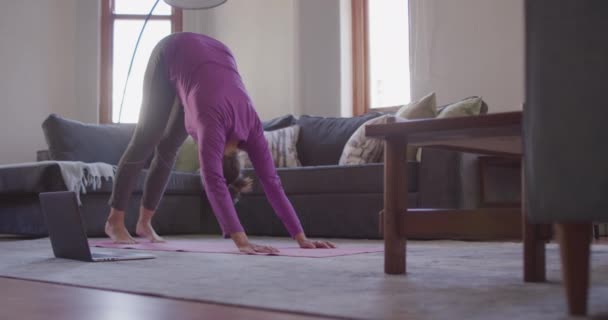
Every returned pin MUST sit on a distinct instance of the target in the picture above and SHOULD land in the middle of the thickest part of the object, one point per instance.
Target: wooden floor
(22, 299)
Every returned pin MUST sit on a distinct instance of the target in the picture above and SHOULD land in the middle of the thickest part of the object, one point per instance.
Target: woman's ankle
(145, 215)
(116, 217)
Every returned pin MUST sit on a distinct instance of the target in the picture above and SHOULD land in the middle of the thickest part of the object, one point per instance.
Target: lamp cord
(124, 90)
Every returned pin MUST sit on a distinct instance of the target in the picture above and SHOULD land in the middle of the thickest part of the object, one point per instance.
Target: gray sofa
(331, 200)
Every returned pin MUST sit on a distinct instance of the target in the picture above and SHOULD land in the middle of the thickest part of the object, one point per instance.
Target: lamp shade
(195, 4)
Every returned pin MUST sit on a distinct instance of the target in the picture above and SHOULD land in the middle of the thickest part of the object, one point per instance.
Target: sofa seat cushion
(366, 178)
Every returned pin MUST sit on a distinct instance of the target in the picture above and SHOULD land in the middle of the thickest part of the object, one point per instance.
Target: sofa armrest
(43, 155)
(448, 179)
(31, 177)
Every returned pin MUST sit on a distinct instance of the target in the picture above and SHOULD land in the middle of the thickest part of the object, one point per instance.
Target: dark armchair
(566, 128)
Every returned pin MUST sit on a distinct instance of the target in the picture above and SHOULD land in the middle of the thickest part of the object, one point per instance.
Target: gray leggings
(160, 129)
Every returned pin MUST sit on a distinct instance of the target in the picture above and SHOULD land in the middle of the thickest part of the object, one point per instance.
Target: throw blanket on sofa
(77, 175)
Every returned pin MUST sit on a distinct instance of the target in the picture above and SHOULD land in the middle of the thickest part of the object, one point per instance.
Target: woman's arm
(257, 149)
(261, 158)
(212, 142)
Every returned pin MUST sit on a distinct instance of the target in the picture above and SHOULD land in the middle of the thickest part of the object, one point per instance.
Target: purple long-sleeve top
(217, 110)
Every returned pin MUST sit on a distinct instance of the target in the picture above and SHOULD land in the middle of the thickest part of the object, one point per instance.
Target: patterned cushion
(282, 145)
(360, 149)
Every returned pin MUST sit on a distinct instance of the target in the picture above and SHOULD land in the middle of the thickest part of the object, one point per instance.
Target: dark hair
(237, 183)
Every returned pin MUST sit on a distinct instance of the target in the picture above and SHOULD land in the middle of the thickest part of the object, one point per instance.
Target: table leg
(574, 244)
(534, 241)
(395, 203)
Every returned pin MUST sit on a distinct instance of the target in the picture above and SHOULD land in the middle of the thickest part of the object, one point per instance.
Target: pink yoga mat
(206, 246)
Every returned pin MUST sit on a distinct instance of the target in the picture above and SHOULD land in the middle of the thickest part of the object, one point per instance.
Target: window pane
(140, 7)
(125, 36)
(389, 53)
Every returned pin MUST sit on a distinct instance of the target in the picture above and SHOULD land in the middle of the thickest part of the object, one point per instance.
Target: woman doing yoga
(192, 87)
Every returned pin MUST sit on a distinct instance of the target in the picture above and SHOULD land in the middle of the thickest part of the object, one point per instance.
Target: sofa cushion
(187, 157)
(361, 149)
(463, 108)
(425, 107)
(282, 146)
(70, 140)
(322, 139)
(279, 122)
(366, 178)
(484, 106)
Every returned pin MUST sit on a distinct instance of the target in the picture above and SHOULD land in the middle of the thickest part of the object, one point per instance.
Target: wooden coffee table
(493, 134)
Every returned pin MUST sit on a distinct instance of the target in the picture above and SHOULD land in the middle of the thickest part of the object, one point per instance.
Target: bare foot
(119, 234)
(145, 230)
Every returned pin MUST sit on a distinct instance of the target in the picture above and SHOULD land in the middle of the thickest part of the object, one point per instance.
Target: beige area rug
(446, 280)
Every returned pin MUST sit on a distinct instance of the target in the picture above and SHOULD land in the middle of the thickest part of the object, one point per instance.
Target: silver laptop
(67, 232)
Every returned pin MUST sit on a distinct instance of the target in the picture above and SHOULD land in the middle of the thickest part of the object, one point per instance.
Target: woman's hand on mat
(252, 248)
(242, 242)
(312, 244)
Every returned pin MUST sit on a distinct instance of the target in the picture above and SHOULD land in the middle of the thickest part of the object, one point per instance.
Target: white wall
(469, 47)
(346, 57)
(319, 57)
(38, 72)
(294, 55)
(87, 49)
(261, 34)
(459, 48)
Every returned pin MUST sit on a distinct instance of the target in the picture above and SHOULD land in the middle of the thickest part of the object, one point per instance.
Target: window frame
(361, 59)
(360, 43)
(108, 17)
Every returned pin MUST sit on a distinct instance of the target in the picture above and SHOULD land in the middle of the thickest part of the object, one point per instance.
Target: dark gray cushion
(355, 179)
(43, 155)
(70, 140)
(279, 123)
(322, 139)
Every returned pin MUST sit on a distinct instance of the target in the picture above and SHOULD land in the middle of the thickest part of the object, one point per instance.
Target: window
(121, 23)
(381, 75)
